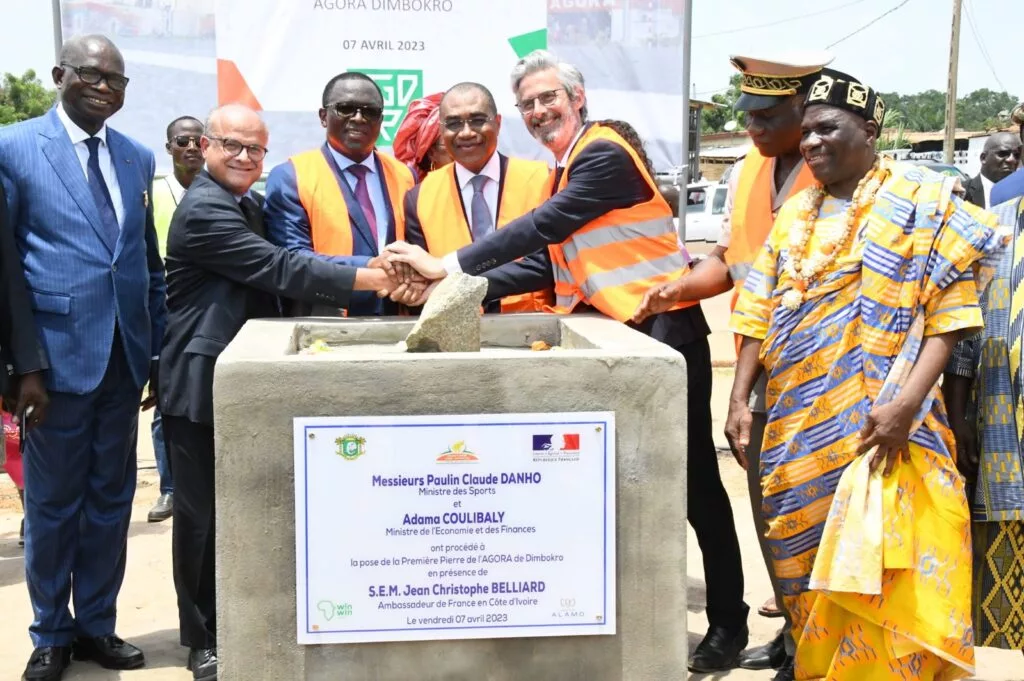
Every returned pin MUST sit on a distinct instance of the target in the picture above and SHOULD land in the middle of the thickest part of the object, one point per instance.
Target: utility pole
(954, 61)
(684, 175)
(58, 39)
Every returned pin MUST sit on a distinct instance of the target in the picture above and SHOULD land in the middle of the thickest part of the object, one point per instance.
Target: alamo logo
(400, 87)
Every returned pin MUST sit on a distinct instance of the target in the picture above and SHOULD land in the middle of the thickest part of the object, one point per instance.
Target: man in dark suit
(600, 239)
(482, 190)
(22, 383)
(222, 271)
(999, 158)
(78, 198)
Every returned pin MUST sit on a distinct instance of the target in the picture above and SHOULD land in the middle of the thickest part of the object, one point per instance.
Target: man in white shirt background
(999, 158)
(183, 134)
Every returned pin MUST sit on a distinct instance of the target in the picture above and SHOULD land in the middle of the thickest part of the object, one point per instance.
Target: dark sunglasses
(233, 148)
(182, 141)
(370, 113)
(91, 76)
(476, 123)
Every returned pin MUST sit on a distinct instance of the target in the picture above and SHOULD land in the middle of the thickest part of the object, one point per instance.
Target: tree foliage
(982, 109)
(23, 98)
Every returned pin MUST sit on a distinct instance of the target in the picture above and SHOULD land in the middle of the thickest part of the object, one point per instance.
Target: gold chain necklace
(801, 266)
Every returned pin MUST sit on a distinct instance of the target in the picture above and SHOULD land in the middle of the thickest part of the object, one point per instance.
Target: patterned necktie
(479, 213)
(100, 193)
(363, 197)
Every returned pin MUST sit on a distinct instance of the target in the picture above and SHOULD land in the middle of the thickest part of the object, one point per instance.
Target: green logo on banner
(400, 87)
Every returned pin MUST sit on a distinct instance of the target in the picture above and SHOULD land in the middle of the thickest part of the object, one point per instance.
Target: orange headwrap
(419, 131)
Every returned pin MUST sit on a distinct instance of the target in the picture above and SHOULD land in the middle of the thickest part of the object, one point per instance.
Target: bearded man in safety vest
(772, 95)
(603, 239)
(342, 200)
(481, 191)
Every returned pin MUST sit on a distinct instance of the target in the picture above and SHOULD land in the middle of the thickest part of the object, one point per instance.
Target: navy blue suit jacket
(603, 178)
(81, 284)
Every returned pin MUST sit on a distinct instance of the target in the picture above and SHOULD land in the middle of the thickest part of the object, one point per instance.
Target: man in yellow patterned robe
(867, 281)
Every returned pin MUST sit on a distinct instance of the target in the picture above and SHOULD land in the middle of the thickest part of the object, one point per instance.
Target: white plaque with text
(413, 528)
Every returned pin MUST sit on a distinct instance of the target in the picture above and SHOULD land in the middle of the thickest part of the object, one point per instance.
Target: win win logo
(400, 87)
(545, 443)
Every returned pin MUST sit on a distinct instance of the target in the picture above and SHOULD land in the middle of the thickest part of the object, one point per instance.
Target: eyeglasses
(182, 141)
(545, 98)
(370, 113)
(234, 148)
(91, 76)
(475, 123)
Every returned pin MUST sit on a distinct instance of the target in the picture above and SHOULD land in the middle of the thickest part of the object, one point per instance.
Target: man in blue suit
(344, 199)
(78, 198)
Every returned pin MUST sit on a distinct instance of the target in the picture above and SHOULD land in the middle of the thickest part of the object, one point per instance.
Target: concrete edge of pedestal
(261, 385)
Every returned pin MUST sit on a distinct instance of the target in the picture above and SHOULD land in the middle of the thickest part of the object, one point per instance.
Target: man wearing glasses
(78, 196)
(478, 193)
(183, 135)
(342, 200)
(607, 236)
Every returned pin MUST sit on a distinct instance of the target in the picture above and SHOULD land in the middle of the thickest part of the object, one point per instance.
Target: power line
(870, 23)
(981, 46)
(780, 21)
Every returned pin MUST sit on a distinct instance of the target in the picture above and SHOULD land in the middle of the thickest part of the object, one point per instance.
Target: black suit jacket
(20, 349)
(975, 191)
(221, 273)
(603, 178)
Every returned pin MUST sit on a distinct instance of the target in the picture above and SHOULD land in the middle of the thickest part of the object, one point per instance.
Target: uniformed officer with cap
(772, 96)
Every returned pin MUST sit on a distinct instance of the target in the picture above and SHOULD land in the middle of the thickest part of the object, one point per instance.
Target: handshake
(408, 273)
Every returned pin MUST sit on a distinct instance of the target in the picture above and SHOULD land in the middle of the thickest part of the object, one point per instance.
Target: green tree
(980, 109)
(23, 98)
(714, 120)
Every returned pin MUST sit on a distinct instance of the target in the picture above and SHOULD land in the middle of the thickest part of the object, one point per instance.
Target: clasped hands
(412, 273)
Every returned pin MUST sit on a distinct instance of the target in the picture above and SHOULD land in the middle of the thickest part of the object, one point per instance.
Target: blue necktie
(100, 193)
(479, 213)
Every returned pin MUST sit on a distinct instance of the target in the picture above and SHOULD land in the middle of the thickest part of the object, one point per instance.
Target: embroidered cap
(766, 80)
(835, 88)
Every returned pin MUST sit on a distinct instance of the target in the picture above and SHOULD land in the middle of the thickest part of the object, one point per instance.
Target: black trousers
(708, 508)
(190, 447)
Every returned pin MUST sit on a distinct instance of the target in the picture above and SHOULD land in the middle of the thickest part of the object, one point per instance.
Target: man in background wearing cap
(772, 95)
(853, 306)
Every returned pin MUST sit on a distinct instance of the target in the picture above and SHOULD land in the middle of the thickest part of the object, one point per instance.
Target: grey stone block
(262, 383)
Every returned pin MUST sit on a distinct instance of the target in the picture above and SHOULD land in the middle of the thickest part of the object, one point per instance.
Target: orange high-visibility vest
(752, 216)
(321, 197)
(610, 262)
(524, 186)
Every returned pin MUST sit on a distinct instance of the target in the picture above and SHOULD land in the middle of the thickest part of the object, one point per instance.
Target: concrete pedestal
(262, 383)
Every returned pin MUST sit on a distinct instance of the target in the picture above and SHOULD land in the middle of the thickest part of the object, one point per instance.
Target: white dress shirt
(987, 185)
(374, 181)
(464, 176)
(78, 138)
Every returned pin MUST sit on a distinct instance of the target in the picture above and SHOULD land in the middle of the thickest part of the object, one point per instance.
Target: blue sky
(906, 51)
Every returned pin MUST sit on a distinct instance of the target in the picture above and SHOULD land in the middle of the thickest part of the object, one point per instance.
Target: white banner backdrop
(186, 55)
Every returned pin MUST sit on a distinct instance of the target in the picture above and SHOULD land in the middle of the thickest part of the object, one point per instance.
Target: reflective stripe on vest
(525, 185)
(613, 260)
(329, 223)
(752, 216)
